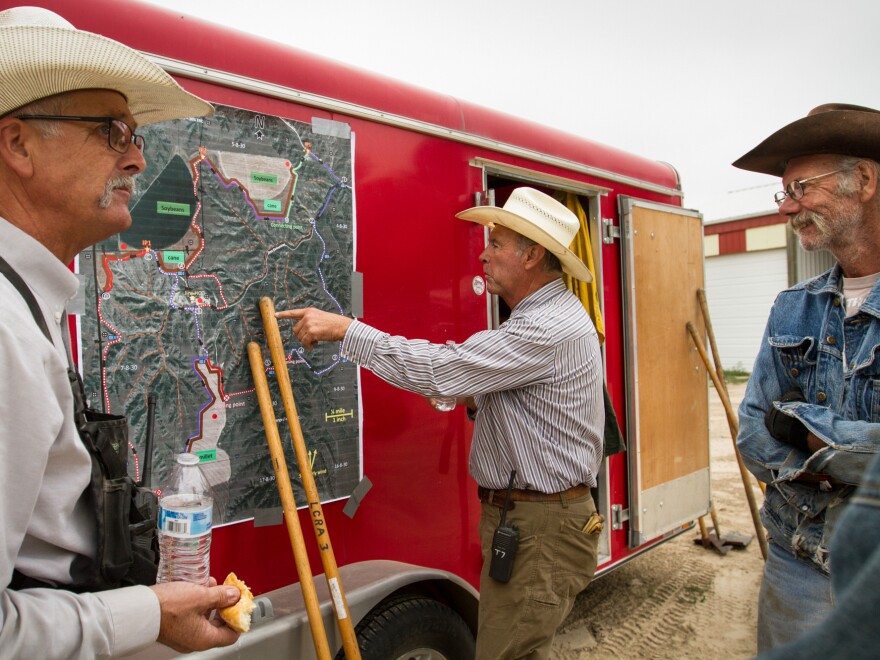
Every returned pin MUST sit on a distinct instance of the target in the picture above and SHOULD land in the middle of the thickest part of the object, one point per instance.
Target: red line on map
(107, 258)
(219, 286)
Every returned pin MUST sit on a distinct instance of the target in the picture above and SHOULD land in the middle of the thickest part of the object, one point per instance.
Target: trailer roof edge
(235, 81)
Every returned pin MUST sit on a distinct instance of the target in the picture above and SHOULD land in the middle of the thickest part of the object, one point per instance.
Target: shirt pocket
(796, 353)
(865, 384)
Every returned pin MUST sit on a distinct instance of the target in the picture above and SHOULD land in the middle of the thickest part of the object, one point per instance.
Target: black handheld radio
(504, 542)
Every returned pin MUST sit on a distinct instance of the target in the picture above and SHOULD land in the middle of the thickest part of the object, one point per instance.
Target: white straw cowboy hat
(41, 55)
(539, 217)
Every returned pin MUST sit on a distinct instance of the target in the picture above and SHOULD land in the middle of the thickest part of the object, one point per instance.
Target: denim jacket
(804, 347)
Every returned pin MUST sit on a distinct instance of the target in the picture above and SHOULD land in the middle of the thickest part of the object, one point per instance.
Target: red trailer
(318, 183)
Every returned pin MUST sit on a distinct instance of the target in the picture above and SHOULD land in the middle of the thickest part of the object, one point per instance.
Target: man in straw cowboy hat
(535, 384)
(70, 102)
(809, 419)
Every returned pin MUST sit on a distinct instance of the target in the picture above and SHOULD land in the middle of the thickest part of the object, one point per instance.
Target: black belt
(496, 497)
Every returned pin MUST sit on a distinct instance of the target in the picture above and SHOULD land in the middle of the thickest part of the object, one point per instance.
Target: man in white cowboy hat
(535, 384)
(810, 419)
(70, 102)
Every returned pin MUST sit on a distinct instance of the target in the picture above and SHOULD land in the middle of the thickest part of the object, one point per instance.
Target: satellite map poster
(231, 208)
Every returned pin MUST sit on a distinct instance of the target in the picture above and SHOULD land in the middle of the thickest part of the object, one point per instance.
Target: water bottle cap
(188, 458)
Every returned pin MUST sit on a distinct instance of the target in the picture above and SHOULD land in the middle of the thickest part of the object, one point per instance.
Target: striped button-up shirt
(537, 382)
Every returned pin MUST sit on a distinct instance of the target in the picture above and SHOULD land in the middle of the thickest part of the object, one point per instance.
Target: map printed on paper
(231, 208)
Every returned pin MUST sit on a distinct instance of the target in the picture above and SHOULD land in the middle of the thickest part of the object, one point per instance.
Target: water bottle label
(192, 522)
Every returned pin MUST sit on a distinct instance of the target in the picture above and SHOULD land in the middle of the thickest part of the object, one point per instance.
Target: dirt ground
(679, 600)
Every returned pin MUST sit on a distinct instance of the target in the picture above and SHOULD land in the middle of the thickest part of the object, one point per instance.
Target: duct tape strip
(332, 128)
(357, 495)
(357, 294)
(268, 517)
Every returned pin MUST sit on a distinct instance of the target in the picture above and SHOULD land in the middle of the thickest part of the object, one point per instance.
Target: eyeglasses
(795, 189)
(119, 134)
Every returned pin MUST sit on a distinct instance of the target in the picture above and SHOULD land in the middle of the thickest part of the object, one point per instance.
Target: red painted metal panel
(159, 31)
(745, 223)
(732, 242)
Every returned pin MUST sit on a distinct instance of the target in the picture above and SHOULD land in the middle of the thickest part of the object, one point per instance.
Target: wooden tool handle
(288, 504)
(322, 534)
(734, 431)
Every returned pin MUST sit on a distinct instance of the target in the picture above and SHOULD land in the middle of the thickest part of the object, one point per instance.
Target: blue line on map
(299, 352)
(321, 272)
(326, 167)
(327, 200)
(195, 312)
(324, 243)
(321, 372)
(335, 362)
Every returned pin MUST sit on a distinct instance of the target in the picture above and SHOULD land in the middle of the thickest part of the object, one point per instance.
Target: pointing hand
(313, 326)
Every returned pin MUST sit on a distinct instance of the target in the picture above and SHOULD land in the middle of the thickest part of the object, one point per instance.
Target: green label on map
(260, 177)
(207, 455)
(172, 208)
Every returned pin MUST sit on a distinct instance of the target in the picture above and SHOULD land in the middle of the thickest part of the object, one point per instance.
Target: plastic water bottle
(185, 514)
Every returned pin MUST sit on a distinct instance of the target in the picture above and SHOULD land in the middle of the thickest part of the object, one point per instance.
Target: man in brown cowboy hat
(535, 384)
(70, 102)
(809, 419)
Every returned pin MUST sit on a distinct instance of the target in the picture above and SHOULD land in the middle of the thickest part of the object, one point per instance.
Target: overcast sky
(695, 83)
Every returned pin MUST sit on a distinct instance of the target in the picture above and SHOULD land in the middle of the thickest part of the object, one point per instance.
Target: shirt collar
(541, 296)
(49, 279)
(831, 282)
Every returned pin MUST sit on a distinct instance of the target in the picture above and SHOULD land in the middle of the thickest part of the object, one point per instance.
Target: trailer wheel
(413, 628)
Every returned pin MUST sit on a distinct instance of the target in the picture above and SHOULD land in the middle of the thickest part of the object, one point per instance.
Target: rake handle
(288, 504)
(322, 535)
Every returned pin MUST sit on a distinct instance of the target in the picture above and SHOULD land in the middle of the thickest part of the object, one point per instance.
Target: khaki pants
(555, 562)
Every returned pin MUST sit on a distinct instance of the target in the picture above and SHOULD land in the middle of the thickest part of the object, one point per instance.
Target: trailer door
(667, 386)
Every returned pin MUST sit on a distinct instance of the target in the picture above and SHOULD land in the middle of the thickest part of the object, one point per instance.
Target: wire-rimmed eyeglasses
(795, 189)
(119, 134)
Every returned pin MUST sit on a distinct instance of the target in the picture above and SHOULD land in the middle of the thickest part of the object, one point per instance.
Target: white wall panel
(740, 290)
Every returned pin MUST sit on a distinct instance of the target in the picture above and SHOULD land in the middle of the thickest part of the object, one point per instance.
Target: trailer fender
(281, 626)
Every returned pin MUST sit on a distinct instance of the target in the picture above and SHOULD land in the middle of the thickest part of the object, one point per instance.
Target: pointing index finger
(290, 314)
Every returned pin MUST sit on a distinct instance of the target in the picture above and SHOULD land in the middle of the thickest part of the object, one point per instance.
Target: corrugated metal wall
(803, 265)
(740, 290)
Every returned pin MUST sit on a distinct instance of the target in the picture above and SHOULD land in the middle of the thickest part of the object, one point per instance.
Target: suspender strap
(109, 456)
(28, 296)
(127, 549)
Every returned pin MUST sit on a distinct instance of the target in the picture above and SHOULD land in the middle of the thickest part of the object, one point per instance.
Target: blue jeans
(794, 597)
(850, 630)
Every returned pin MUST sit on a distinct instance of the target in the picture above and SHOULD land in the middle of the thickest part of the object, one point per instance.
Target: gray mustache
(117, 182)
(804, 218)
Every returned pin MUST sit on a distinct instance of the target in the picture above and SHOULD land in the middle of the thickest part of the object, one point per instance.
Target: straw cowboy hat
(832, 128)
(41, 55)
(539, 217)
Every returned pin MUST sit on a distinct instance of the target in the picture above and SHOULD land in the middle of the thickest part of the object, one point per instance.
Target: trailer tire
(413, 628)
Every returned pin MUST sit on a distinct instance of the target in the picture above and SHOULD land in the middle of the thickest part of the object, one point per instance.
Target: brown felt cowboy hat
(42, 55)
(541, 218)
(832, 128)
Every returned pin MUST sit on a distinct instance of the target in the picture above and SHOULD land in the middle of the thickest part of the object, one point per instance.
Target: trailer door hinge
(609, 231)
(619, 515)
(484, 197)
